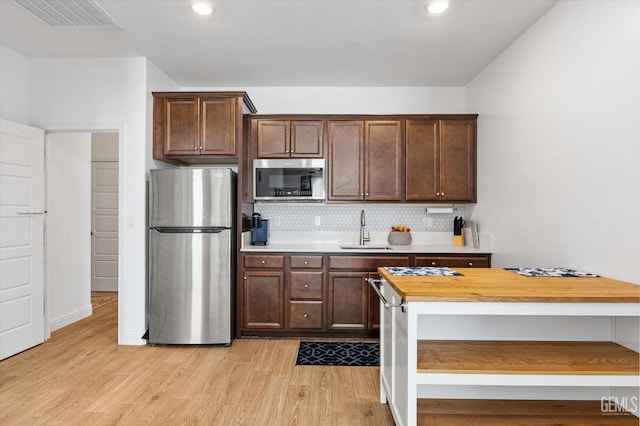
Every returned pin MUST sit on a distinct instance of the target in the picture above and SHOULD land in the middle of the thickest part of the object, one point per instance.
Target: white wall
(157, 81)
(105, 94)
(353, 100)
(14, 86)
(68, 228)
(559, 142)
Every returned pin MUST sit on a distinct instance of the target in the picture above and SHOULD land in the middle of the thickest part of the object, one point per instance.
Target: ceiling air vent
(70, 13)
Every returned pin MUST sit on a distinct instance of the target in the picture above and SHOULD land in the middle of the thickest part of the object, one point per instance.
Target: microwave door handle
(259, 175)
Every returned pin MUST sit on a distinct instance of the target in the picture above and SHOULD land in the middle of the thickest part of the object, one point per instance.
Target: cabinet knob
(433, 263)
(306, 315)
(197, 148)
(442, 194)
(366, 194)
(245, 277)
(470, 263)
(306, 285)
(263, 261)
(306, 262)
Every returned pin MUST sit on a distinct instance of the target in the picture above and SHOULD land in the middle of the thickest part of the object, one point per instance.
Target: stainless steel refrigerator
(192, 255)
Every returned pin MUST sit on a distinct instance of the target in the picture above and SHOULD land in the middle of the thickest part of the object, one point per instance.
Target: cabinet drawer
(263, 261)
(305, 314)
(306, 285)
(460, 262)
(366, 263)
(300, 262)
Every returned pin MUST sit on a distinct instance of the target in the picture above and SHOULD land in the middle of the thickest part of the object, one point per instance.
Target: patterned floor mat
(339, 353)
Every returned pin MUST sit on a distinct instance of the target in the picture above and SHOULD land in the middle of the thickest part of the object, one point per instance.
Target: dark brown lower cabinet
(348, 301)
(465, 261)
(263, 304)
(306, 315)
(352, 304)
(373, 305)
(287, 294)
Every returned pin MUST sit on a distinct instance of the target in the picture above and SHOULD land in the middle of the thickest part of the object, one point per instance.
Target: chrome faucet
(363, 239)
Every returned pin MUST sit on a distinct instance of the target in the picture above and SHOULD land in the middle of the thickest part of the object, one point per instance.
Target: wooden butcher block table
(491, 346)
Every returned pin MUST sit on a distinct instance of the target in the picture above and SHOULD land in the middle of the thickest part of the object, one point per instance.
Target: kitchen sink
(365, 246)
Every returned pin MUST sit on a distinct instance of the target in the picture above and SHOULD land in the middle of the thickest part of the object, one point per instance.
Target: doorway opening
(82, 187)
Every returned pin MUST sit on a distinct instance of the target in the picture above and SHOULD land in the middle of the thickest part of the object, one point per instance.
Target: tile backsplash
(303, 216)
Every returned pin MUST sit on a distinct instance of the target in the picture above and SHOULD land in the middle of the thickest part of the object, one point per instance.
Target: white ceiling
(248, 43)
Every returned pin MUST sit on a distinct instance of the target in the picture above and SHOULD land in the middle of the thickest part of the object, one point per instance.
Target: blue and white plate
(550, 272)
(422, 271)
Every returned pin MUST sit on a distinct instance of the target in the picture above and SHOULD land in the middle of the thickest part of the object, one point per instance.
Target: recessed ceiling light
(202, 8)
(436, 7)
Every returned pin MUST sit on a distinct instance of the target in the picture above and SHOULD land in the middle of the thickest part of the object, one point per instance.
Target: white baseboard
(131, 339)
(70, 318)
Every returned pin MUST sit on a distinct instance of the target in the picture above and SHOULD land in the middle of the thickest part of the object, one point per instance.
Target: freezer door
(191, 197)
(190, 288)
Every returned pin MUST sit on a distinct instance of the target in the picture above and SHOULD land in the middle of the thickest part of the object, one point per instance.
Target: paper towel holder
(438, 210)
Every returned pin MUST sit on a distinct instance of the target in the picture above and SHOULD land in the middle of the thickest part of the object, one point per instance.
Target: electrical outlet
(427, 222)
(317, 220)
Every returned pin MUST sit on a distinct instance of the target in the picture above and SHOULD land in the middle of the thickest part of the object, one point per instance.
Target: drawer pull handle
(384, 301)
(470, 263)
(263, 261)
(306, 315)
(433, 263)
(306, 285)
(306, 262)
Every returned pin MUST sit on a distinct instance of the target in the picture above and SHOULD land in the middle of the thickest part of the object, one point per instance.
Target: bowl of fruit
(400, 235)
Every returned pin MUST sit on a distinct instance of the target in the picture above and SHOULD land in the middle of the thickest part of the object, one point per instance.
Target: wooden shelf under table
(455, 412)
(526, 357)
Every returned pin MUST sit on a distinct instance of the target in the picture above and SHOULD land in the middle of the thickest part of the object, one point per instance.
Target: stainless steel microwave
(289, 179)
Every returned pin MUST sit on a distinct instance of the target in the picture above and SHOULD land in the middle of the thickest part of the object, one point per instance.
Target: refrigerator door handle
(170, 230)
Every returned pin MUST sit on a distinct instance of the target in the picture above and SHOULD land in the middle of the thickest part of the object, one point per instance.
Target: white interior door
(104, 223)
(22, 310)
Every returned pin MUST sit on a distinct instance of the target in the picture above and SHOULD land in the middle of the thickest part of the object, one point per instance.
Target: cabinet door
(273, 138)
(181, 126)
(267, 261)
(218, 126)
(306, 285)
(263, 299)
(348, 299)
(305, 315)
(458, 160)
(479, 261)
(422, 170)
(346, 151)
(373, 307)
(384, 167)
(306, 139)
(305, 261)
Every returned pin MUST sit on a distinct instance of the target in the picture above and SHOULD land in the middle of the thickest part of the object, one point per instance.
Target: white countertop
(328, 241)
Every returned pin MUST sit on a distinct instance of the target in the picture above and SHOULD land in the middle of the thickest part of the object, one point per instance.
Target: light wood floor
(82, 377)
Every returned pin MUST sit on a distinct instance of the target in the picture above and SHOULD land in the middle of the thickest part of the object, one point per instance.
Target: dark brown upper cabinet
(289, 138)
(441, 159)
(198, 126)
(365, 160)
